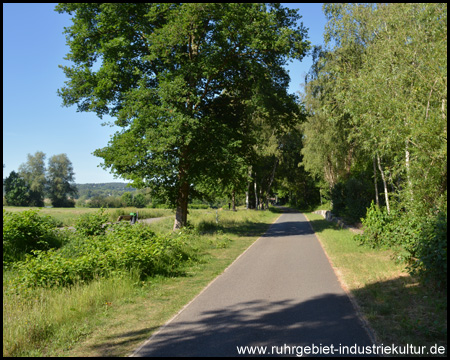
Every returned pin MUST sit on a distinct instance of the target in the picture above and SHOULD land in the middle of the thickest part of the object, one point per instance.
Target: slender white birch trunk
(384, 184)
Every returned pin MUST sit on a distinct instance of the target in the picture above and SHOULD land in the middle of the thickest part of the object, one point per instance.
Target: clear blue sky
(33, 118)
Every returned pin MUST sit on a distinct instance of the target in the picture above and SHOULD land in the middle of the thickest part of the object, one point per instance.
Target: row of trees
(103, 189)
(199, 90)
(377, 124)
(127, 199)
(33, 182)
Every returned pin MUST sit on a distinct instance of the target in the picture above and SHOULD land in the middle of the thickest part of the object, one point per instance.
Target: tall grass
(40, 321)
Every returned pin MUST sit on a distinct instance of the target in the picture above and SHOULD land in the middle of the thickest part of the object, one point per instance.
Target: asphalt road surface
(280, 297)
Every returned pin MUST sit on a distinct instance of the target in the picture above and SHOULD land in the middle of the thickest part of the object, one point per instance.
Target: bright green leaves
(379, 94)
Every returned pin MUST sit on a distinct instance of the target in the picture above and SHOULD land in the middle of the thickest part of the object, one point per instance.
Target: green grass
(398, 307)
(113, 316)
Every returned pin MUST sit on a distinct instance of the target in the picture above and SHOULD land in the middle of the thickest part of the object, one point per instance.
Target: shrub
(139, 201)
(398, 231)
(431, 251)
(417, 239)
(124, 248)
(351, 198)
(26, 231)
(375, 224)
(92, 224)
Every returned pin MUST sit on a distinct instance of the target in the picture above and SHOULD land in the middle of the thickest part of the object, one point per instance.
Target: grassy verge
(400, 310)
(113, 316)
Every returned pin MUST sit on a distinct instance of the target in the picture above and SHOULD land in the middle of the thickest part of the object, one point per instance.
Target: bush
(26, 231)
(125, 248)
(139, 201)
(431, 251)
(398, 231)
(419, 240)
(351, 198)
(92, 224)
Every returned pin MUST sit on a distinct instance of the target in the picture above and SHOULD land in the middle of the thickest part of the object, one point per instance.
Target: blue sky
(33, 118)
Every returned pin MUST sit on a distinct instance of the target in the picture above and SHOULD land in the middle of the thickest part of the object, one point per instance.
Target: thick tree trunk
(182, 206)
(233, 199)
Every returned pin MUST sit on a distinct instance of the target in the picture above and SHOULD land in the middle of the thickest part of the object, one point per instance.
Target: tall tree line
(377, 102)
(34, 181)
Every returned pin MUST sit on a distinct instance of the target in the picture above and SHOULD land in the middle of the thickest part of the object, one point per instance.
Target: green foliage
(103, 189)
(171, 73)
(378, 91)
(292, 182)
(351, 198)
(33, 172)
(375, 223)
(431, 251)
(127, 199)
(420, 241)
(17, 192)
(123, 249)
(29, 186)
(397, 230)
(24, 232)
(139, 201)
(92, 224)
(60, 179)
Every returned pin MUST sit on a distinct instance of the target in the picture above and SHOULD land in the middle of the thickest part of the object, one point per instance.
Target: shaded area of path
(281, 292)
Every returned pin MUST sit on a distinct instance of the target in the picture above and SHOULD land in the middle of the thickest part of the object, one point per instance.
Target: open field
(67, 216)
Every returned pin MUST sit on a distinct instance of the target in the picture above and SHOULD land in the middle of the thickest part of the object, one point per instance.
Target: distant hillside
(103, 189)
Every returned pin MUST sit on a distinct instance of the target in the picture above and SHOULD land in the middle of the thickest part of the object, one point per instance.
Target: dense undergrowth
(60, 285)
(419, 241)
(41, 256)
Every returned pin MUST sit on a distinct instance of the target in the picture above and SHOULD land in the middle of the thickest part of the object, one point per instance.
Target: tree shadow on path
(282, 326)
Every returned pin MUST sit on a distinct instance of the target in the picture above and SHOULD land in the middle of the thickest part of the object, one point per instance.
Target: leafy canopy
(161, 70)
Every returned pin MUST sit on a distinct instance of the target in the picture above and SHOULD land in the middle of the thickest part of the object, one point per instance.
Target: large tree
(33, 172)
(158, 69)
(17, 191)
(60, 179)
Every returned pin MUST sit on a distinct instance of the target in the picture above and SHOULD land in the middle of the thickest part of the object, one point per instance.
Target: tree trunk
(247, 193)
(182, 206)
(233, 199)
(256, 195)
(375, 181)
(384, 184)
(270, 182)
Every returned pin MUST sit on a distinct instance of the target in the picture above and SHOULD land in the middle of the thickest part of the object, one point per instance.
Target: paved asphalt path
(281, 292)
